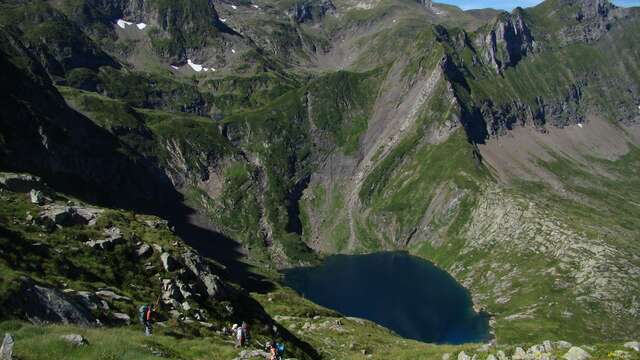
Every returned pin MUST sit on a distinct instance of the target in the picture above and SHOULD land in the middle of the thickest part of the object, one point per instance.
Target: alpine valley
(190, 151)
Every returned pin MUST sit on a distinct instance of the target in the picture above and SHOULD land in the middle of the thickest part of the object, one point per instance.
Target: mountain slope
(503, 150)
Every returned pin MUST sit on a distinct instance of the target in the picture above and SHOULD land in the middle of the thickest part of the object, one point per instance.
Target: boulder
(121, 318)
(113, 237)
(548, 347)
(252, 354)
(214, 286)
(157, 223)
(56, 215)
(484, 348)
(75, 339)
(87, 215)
(144, 250)
(632, 345)
(111, 296)
(42, 305)
(19, 182)
(37, 197)
(6, 349)
(562, 344)
(446, 356)
(501, 355)
(576, 353)
(88, 299)
(168, 263)
(519, 354)
(491, 357)
(463, 356)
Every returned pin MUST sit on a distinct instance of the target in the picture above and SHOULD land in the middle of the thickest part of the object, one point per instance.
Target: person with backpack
(275, 350)
(245, 332)
(238, 335)
(146, 313)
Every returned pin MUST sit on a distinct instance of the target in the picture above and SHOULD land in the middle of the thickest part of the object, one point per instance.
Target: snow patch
(255, 6)
(196, 67)
(234, 7)
(233, 51)
(175, 67)
(580, 125)
(123, 23)
(223, 20)
(141, 26)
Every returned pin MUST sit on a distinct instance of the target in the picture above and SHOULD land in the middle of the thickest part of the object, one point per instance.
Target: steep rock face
(507, 42)
(592, 18)
(43, 135)
(309, 11)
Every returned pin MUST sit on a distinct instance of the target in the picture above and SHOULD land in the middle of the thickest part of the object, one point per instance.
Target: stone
(562, 344)
(43, 305)
(113, 237)
(19, 182)
(6, 349)
(252, 354)
(111, 296)
(156, 224)
(75, 339)
(484, 348)
(548, 347)
(214, 286)
(501, 355)
(56, 215)
(87, 215)
(463, 356)
(88, 299)
(37, 197)
(144, 250)
(168, 263)
(446, 356)
(632, 345)
(519, 354)
(576, 353)
(491, 357)
(121, 318)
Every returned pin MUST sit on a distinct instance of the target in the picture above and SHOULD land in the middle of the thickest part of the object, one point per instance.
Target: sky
(510, 4)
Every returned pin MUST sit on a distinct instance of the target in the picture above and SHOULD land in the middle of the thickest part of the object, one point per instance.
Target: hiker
(146, 317)
(238, 334)
(275, 350)
(245, 332)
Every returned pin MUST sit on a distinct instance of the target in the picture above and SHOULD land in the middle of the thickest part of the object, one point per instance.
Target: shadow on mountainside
(43, 136)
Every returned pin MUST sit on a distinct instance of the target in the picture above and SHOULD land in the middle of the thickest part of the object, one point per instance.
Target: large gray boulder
(37, 197)
(633, 345)
(214, 286)
(168, 263)
(6, 349)
(75, 339)
(252, 354)
(121, 318)
(463, 356)
(144, 250)
(109, 295)
(519, 354)
(576, 353)
(113, 237)
(42, 305)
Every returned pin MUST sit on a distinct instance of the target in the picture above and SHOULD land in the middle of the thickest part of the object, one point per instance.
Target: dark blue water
(404, 293)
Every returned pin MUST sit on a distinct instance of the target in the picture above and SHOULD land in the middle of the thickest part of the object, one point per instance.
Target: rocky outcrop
(6, 349)
(589, 20)
(43, 305)
(309, 11)
(19, 182)
(506, 42)
(113, 237)
(214, 286)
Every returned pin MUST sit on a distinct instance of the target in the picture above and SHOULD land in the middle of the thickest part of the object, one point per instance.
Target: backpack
(280, 348)
(142, 311)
